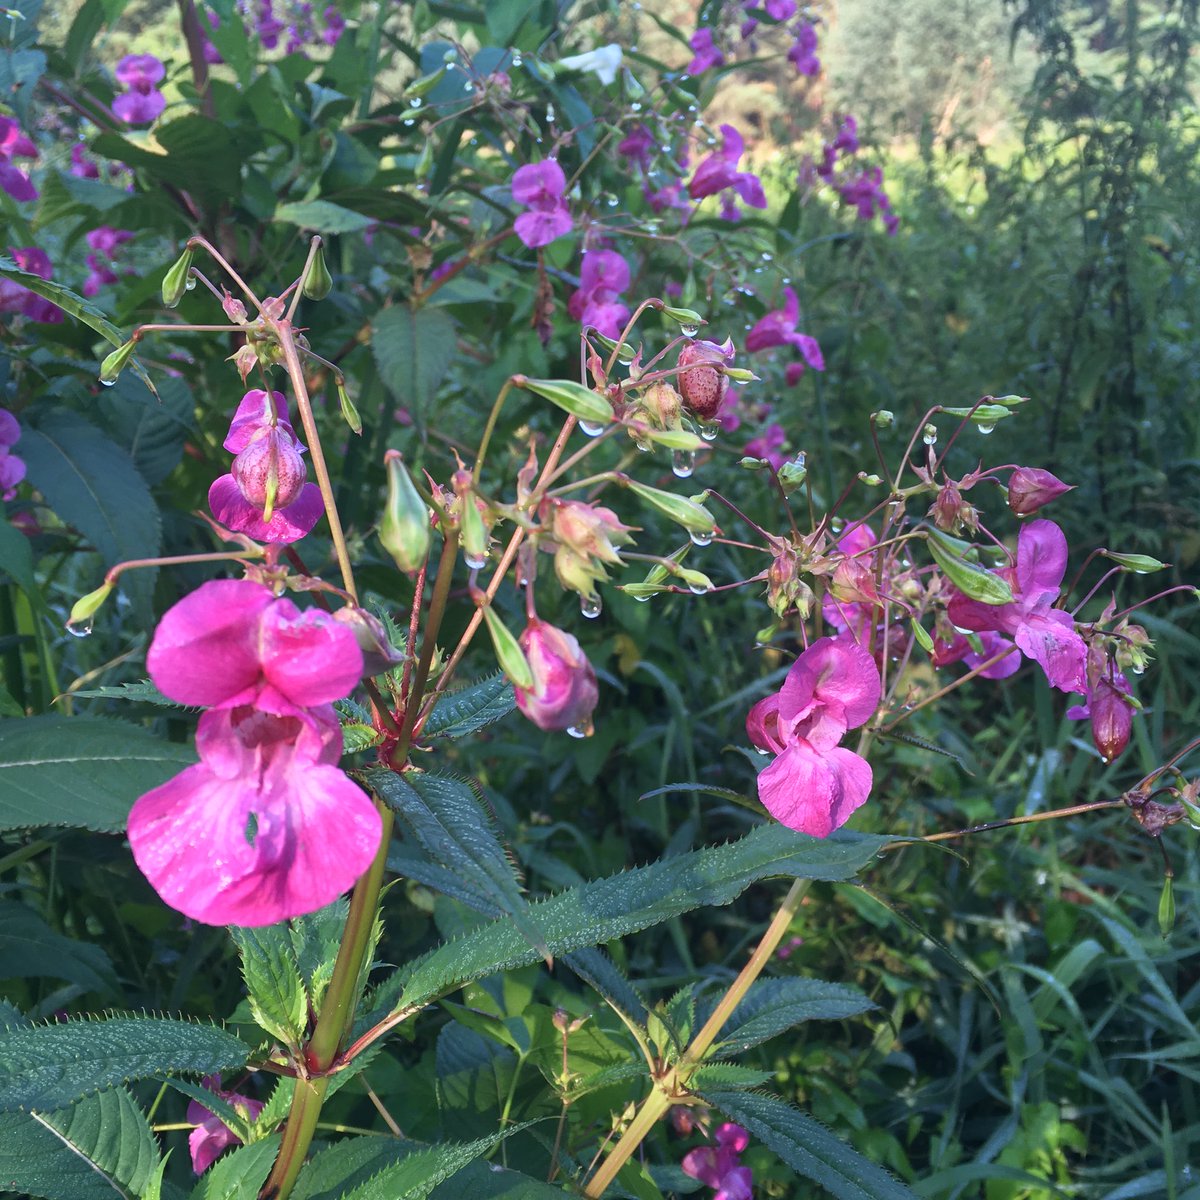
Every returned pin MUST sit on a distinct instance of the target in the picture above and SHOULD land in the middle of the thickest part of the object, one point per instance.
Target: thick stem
(297, 1136)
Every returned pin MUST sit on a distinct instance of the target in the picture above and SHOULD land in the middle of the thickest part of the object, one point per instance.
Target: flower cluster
(212, 1137)
(265, 827)
(541, 188)
(141, 102)
(12, 469)
(861, 187)
(105, 243)
(297, 20)
(14, 144)
(814, 785)
(719, 173)
(604, 276)
(17, 299)
(265, 494)
(720, 1166)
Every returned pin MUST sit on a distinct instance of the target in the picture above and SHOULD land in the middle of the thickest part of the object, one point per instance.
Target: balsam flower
(12, 469)
(212, 1137)
(564, 691)
(17, 299)
(769, 446)
(720, 1166)
(778, 328)
(704, 389)
(704, 53)
(1031, 487)
(541, 188)
(604, 276)
(814, 785)
(803, 53)
(141, 102)
(105, 243)
(720, 171)
(1042, 632)
(14, 144)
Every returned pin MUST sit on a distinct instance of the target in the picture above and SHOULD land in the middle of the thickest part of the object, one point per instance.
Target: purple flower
(604, 276)
(719, 1166)
(105, 242)
(141, 102)
(769, 445)
(780, 10)
(1031, 487)
(541, 188)
(17, 299)
(847, 137)
(1110, 710)
(637, 145)
(14, 144)
(778, 328)
(212, 1137)
(1042, 632)
(81, 165)
(335, 26)
(705, 53)
(959, 648)
(12, 469)
(803, 54)
(719, 171)
(564, 691)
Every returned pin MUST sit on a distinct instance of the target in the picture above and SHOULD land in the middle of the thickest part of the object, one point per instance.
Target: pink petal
(208, 1141)
(800, 789)
(732, 144)
(732, 1138)
(701, 1164)
(205, 650)
(750, 188)
(537, 182)
(1041, 559)
(833, 671)
(762, 725)
(854, 783)
(308, 657)
(289, 524)
(1050, 639)
(540, 228)
(254, 413)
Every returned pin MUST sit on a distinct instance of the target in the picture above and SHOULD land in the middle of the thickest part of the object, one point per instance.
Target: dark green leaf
(16, 559)
(272, 977)
(472, 709)
(729, 1075)
(322, 216)
(772, 1006)
(29, 948)
(152, 431)
(414, 350)
(238, 1176)
(142, 692)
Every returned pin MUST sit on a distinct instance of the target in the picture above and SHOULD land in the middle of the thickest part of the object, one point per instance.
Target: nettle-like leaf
(462, 713)
(598, 912)
(808, 1147)
(142, 692)
(81, 772)
(152, 430)
(773, 1006)
(99, 1147)
(273, 982)
(238, 1176)
(49, 1066)
(414, 349)
(729, 1075)
(316, 940)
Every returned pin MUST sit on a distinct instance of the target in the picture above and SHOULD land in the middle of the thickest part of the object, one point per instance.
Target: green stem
(297, 1136)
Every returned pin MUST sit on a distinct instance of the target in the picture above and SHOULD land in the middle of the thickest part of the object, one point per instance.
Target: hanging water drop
(697, 588)
(107, 382)
(641, 599)
(81, 629)
(416, 102)
(476, 562)
(636, 106)
(190, 283)
(517, 60)
(689, 331)
(683, 463)
(590, 606)
(591, 430)
(550, 114)
(643, 444)
(701, 538)
(709, 430)
(581, 731)
(930, 436)
(766, 256)
(985, 429)
(408, 121)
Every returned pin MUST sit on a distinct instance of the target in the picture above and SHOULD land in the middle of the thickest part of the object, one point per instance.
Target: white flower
(605, 62)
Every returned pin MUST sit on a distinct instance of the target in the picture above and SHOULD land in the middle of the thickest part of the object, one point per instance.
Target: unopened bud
(349, 412)
(318, 282)
(571, 397)
(883, 418)
(509, 654)
(1031, 487)
(234, 309)
(702, 387)
(1112, 717)
(84, 610)
(686, 317)
(424, 163)
(562, 691)
(379, 655)
(793, 474)
(694, 517)
(664, 404)
(405, 529)
(175, 282)
(116, 362)
(425, 84)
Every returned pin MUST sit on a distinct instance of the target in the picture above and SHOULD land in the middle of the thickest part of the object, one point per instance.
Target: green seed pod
(695, 518)
(509, 654)
(405, 529)
(174, 284)
(318, 283)
(115, 363)
(349, 412)
(571, 397)
(85, 609)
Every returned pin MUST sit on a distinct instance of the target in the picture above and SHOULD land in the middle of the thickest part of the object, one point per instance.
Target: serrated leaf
(316, 940)
(152, 430)
(92, 484)
(808, 1147)
(472, 709)
(81, 772)
(322, 216)
(772, 1006)
(100, 1147)
(238, 1176)
(49, 1066)
(142, 692)
(29, 948)
(272, 977)
(729, 1075)
(413, 350)
(598, 912)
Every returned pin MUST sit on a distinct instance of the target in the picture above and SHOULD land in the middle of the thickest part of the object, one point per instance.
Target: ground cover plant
(569, 626)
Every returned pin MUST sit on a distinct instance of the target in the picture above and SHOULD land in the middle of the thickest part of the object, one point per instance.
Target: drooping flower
(637, 145)
(12, 469)
(583, 538)
(1108, 702)
(719, 171)
(564, 691)
(105, 243)
(17, 299)
(141, 102)
(778, 328)
(720, 1166)
(803, 53)
(1042, 632)
(212, 1137)
(603, 277)
(265, 827)
(541, 188)
(1031, 487)
(14, 144)
(814, 785)
(704, 53)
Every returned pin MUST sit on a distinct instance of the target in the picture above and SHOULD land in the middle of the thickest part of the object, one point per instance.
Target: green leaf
(142, 692)
(772, 1006)
(16, 559)
(729, 1075)
(598, 912)
(809, 1148)
(81, 772)
(413, 350)
(971, 580)
(487, 1181)
(29, 948)
(238, 1176)
(316, 940)
(47, 1066)
(322, 216)
(272, 977)
(472, 709)
(152, 430)
(92, 484)
(99, 1147)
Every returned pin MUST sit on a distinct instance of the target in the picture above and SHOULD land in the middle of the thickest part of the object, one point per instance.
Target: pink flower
(605, 274)
(265, 827)
(12, 469)
(81, 165)
(959, 648)
(231, 642)
(814, 785)
(140, 71)
(769, 445)
(705, 54)
(780, 10)
(803, 54)
(637, 145)
(1042, 632)
(105, 242)
(212, 1136)
(14, 144)
(17, 299)
(719, 171)
(1031, 487)
(141, 102)
(847, 137)
(718, 1166)
(541, 188)
(778, 328)
(1109, 704)
(564, 691)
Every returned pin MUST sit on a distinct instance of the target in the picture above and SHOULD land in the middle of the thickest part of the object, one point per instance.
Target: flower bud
(318, 282)
(563, 691)
(84, 611)
(702, 387)
(694, 517)
(405, 529)
(176, 279)
(115, 363)
(349, 411)
(235, 310)
(1031, 487)
(951, 512)
(269, 472)
(509, 652)
(1112, 716)
(379, 655)
(571, 397)
(664, 404)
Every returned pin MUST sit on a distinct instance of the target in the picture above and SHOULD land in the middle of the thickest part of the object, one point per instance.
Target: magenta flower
(780, 10)
(141, 102)
(541, 188)
(212, 1136)
(105, 243)
(1031, 487)
(778, 328)
(719, 1166)
(847, 137)
(769, 445)
(81, 165)
(814, 785)
(719, 171)
(705, 54)
(959, 648)
(564, 691)
(231, 642)
(17, 299)
(335, 25)
(637, 145)
(704, 389)
(803, 54)
(12, 469)
(1042, 632)
(604, 275)
(14, 144)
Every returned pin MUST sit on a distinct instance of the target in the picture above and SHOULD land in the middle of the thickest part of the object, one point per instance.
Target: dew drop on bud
(683, 463)
(642, 599)
(701, 539)
(107, 382)
(709, 430)
(82, 629)
(591, 430)
(689, 331)
(580, 731)
(930, 436)
(985, 429)
(697, 589)
(475, 562)
(590, 606)
(190, 285)
(643, 445)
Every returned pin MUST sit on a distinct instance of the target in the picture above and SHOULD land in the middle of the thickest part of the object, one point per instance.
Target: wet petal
(308, 657)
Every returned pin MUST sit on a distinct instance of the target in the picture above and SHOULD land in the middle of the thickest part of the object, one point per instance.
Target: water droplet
(636, 106)
(985, 429)
(643, 444)
(689, 331)
(581, 731)
(591, 430)
(590, 606)
(697, 588)
(641, 599)
(683, 463)
(930, 436)
(475, 562)
(416, 102)
(107, 382)
(81, 629)
(517, 60)
(189, 284)
(709, 430)
(468, 86)
(801, 460)
(701, 539)
(550, 114)
(408, 121)
(766, 256)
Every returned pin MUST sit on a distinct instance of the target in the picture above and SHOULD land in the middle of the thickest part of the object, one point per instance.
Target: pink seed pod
(702, 387)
